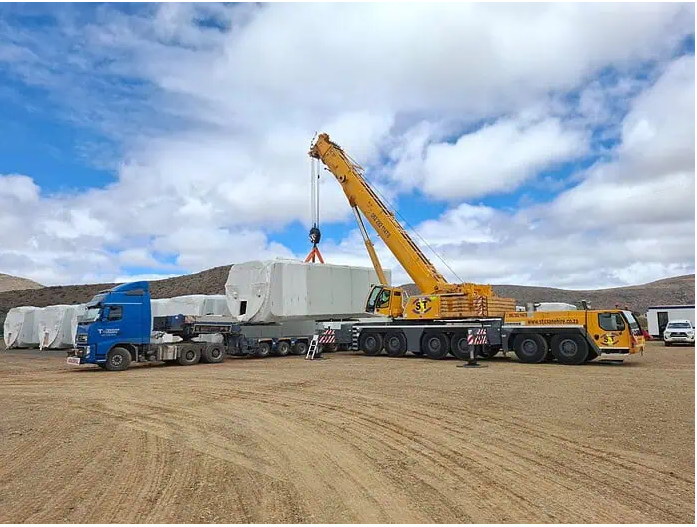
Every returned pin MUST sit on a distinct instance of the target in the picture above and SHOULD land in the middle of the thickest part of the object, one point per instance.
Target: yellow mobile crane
(449, 318)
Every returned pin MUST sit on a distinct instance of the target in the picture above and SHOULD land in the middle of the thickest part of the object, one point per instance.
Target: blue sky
(151, 140)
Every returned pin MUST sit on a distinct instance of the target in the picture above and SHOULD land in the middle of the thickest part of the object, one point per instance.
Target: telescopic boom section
(361, 196)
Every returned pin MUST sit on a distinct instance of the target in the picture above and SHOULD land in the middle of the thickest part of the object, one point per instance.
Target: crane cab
(385, 301)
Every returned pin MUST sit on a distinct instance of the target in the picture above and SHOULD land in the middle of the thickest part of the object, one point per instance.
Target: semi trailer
(118, 329)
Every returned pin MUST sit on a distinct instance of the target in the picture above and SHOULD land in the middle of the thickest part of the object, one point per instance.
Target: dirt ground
(348, 439)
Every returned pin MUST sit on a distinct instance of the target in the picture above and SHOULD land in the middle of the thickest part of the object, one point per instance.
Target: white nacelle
(555, 306)
(282, 290)
(57, 325)
(19, 330)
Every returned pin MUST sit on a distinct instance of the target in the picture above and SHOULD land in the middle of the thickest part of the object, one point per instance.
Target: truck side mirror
(105, 313)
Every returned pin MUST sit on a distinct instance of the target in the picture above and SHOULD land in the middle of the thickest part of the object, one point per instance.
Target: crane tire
(530, 348)
(117, 359)
(189, 356)
(459, 347)
(214, 354)
(569, 349)
(395, 344)
(435, 345)
(370, 343)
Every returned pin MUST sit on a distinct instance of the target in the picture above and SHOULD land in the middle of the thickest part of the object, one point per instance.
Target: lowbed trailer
(118, 328)
(569, 337)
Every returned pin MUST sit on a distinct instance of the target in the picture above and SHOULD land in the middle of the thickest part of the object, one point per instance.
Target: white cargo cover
(57, 325)
(556, 306)
(281, 290)
(19, 330)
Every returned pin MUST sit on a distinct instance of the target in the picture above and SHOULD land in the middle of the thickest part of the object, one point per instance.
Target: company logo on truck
(108, 331)
(422, 306)
(608, 339)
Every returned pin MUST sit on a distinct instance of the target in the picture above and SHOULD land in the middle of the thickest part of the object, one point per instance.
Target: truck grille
(82, 338)
(679, 334)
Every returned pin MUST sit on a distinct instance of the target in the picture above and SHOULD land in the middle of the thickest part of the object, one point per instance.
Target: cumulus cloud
(210, 124)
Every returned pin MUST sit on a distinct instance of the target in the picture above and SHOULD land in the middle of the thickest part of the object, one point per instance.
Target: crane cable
(394, 209)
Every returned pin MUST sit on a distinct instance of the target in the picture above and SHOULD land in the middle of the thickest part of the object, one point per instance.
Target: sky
(535, 144)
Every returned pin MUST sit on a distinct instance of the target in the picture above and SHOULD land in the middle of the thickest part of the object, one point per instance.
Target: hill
(14, 283)
(676, 290)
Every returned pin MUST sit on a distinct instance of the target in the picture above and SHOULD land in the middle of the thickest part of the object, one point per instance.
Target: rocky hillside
(14, 283)
(676, 290)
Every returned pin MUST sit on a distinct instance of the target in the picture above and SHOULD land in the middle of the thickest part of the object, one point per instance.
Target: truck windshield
(681, 325)
(633, 324)
(91, 315)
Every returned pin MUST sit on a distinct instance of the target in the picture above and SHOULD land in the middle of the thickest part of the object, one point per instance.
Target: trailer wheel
(189, 356)
(283, 348)
(117, 359)
(459, 347)
(569, 349)
(435, 345)
(530, 348)
(264, 350)
(213, 354)
(370, 343)
(300, 348)
(396, 344)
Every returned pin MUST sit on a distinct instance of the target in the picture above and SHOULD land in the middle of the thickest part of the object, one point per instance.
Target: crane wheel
(569, 349)
(459, 347)
(530, 348)
(370, 343)
(117, 359)
(396, 344)
(435, 345)
(283, 348)
(189, 356)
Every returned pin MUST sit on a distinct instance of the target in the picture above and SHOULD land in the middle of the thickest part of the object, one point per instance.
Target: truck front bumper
(679, 340)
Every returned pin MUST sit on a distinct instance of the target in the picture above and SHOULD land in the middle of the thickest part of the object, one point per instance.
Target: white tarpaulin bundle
(280, 290)
(57, 325)
(19, 330)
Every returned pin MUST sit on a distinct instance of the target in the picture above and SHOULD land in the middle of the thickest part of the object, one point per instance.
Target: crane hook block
(315, 235)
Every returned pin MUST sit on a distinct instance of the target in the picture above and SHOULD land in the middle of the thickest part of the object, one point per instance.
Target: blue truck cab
(117, 318)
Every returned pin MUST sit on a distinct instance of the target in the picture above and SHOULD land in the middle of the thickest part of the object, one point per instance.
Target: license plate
(74, 360)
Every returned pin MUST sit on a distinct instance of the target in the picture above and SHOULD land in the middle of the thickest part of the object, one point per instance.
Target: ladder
(314, 346)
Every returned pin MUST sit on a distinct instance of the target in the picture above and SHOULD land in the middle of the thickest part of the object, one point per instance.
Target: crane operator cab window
(379, 298)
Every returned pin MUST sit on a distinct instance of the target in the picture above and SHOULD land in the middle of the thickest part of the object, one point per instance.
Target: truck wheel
(530, 348)
(189, 356)
(489, 351)
(592, 355)
(459, 347)
(569, 349)
(117, 359)
(213, 354)
(283, 348)
(264, 349)
(435, 345)
(370, 343)
(300, 348)
(331, 347)
(396, 344)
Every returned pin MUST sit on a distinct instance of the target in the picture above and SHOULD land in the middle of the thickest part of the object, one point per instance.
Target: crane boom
(361, 196)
